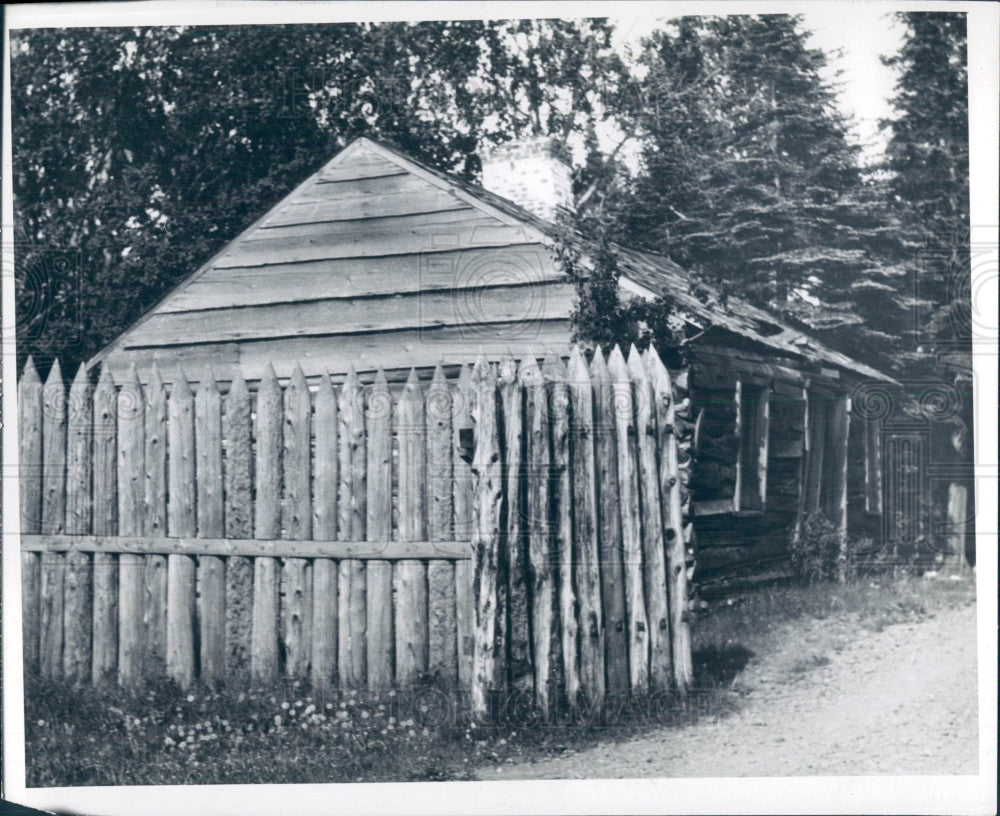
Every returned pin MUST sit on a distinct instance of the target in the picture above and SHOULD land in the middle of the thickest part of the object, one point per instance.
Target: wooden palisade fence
(524, 528)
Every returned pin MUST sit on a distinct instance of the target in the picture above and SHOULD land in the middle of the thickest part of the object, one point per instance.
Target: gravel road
(899, 701)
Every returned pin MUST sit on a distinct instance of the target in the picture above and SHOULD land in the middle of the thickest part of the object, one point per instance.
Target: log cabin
(379, 262)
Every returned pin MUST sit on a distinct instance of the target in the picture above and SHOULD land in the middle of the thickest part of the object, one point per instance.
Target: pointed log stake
(267, 524)
(628, 491)
(156, 455)
(378, 573)
(78, 605)
(673, 522)
(442, 659)
(612, 571)
(554, 373)
(30, 413)
(181, 522)
(686, 436)
(131, 519)
(463, 499)
(238, 467)
(296, 610)
(654, 555)
(541, 561)
(54, 452)
(78, 455)
(29, 426)
(410, 576)
(155, 492)
(323, 665)
(587, 567)
(518, 635)
(105, 487)
(53, 565)
(211, 570)
(488, 494)
(352, 648)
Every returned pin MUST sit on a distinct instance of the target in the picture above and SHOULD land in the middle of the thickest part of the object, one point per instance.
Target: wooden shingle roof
(660, 275)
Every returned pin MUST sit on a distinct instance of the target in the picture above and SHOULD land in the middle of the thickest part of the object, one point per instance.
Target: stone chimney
(533, 173)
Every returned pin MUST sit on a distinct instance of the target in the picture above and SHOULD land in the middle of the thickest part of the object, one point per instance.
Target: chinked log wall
(775, 444)
(362, 536)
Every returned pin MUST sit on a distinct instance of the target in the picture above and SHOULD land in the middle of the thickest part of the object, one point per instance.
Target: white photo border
(899, 794)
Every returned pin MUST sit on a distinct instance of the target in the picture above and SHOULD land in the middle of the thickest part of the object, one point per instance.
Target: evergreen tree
(927, 160)
(928, 186)
(750, 178)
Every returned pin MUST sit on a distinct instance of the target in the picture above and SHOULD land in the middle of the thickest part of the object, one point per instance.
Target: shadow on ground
(719, 666)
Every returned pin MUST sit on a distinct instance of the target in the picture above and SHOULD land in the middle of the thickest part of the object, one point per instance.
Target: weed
(819, 553)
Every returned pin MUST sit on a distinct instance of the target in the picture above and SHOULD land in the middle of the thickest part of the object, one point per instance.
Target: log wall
(775, 443)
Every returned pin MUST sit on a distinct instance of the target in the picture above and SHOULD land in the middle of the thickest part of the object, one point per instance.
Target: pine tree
(750, 177)
(928, 187)
(928, 164)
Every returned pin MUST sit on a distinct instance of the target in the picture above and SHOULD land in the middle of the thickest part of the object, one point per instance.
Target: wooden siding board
(339, 228)
(423, 310)
(362, 164)
(340, 208)
(473, 230)
(396, 350)
(347, 189)
(444, 268)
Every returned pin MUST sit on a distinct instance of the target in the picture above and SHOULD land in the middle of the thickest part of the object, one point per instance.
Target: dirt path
(900, 701)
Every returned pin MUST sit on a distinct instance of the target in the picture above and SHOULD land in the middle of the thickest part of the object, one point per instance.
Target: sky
(862, 33)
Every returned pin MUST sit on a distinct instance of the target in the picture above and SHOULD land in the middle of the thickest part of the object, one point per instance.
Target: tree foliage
(139, 152)
(749, 178)
(927, 161)
(927, 165)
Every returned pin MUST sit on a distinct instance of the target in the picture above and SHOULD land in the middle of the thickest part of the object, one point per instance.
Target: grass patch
(754, 620)
(287, 733)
